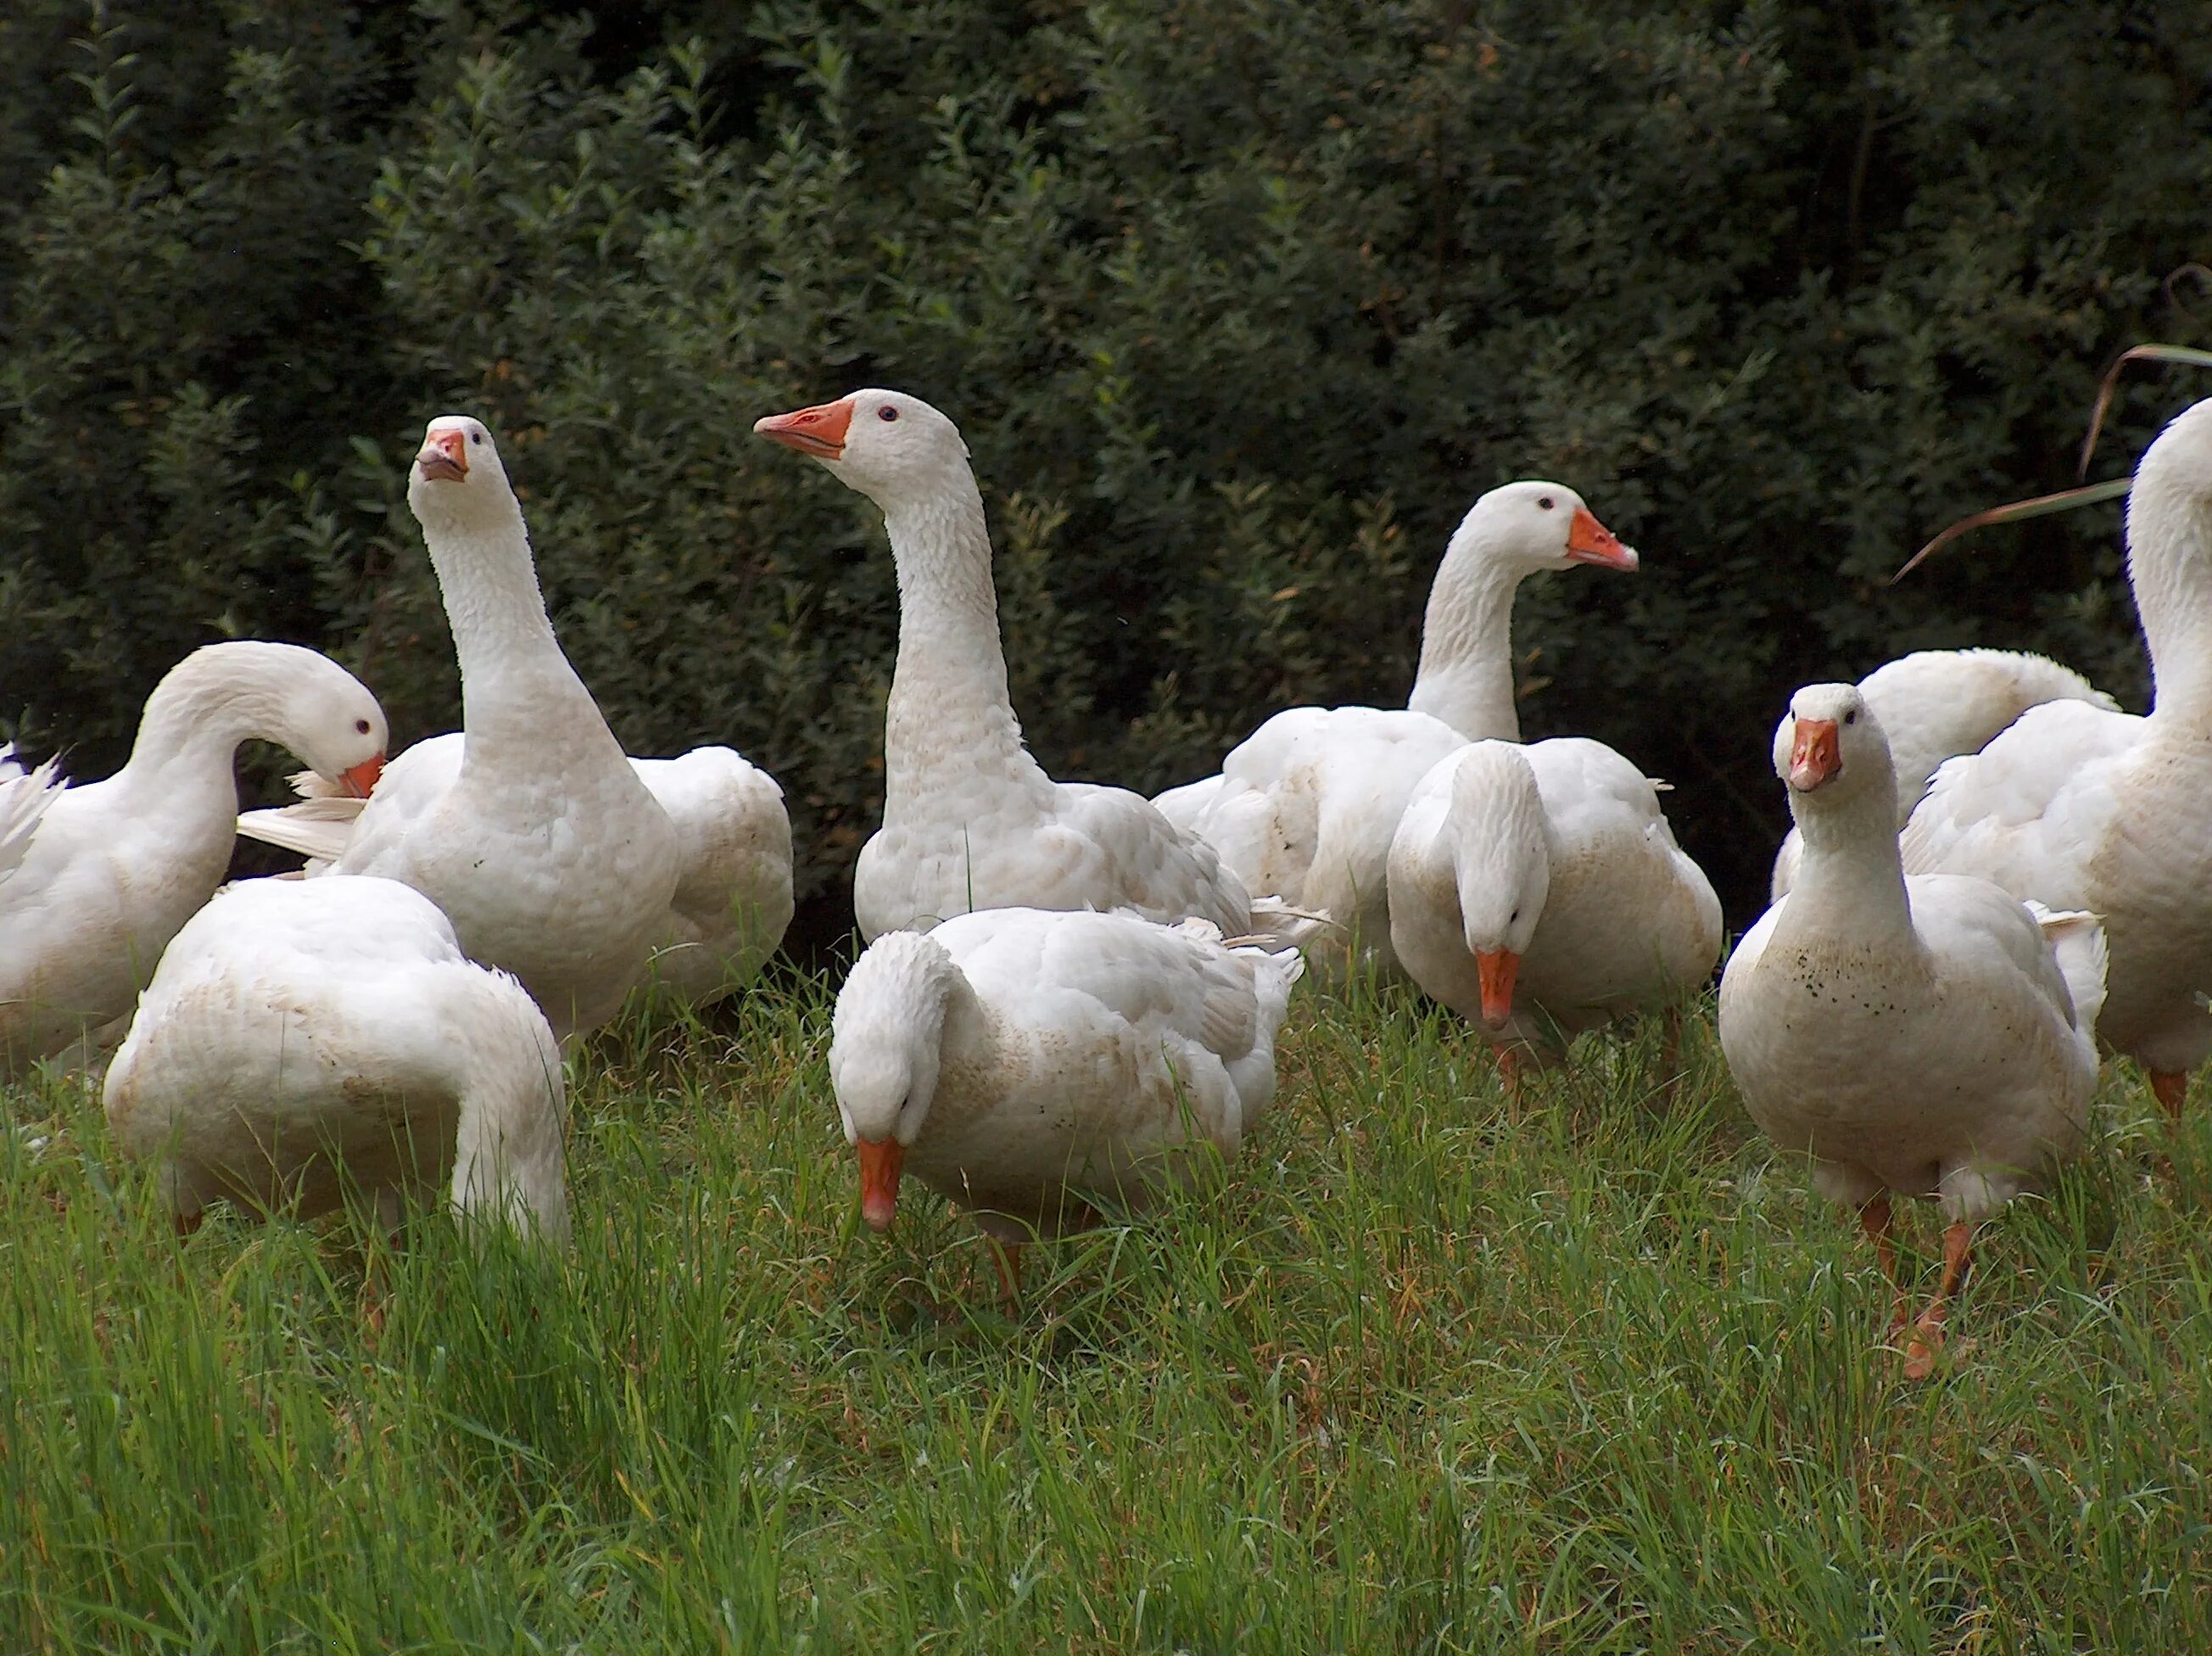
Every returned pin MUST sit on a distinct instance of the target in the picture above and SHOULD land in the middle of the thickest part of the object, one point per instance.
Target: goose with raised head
(1306, 806)
(733, 893)
(305, 1038)
(971, 821)
(96, 878)
(1928, 1036)
(538, 839)
(1936, 705)
(1539, 892)
(2078, 806)
(1026, 1064)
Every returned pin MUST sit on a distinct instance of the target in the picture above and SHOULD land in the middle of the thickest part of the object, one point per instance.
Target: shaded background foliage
(1238, 305)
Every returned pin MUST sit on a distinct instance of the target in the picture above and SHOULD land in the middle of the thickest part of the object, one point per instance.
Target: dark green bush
(1239, 306)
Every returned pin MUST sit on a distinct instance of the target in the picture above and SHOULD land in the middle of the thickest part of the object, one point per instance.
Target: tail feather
(1276, 925)
(25, 798)
(317, 827)
(2077, 943)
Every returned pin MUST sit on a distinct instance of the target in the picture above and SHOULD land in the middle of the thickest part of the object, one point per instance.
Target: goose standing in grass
(95, 879)
(2079, 806)
(1929, 1036)
(1936, 705)
(1537, 892)
(1025, 1063)
(1306, 806)
(970, 819)
(303, 1038)
(534, 833)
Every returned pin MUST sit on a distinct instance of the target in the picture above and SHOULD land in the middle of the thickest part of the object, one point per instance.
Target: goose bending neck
(2170, 566)
(1851, 884)
(949, 702)
(1465, 675)
(202, 709)
(506, 1142)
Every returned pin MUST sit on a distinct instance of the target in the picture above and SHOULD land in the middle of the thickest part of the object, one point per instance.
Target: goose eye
(361, 726)
(1852, 717)
(887, 413)
(1544, 500)
(476, 437)
(1513, 919)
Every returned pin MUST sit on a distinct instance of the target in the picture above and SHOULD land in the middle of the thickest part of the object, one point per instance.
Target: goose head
(1501, 857)
(458, 481)
(1830, 748)
(885, 1050)
(328, 717)
(1533, 524)
(890, 447)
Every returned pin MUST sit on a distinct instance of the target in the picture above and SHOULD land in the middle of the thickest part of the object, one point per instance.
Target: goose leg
(1928, 1333)
(1670, 1055)
(1879, 1223)
(1007, 1256)
(1509, 1072)
(2171, 1086)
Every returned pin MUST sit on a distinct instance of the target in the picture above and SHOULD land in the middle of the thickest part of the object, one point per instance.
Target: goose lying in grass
(1306, 806)
(1927, 1036)
(2079, 806)
(1539, 892)
(970, 819)
(1936, 705)
(1024, 1063)
(536, 835)
(96, 878)
(303, 1038)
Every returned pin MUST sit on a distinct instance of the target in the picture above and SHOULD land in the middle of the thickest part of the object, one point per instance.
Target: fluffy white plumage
(1555, 860)
(1936, 705)
(734, 894)
(1306, 806)
(548, 853)
(1928, 1036)
(96, 878)
(303, 1037)
(2078, 806)
(1025, 1062)
(970, 819)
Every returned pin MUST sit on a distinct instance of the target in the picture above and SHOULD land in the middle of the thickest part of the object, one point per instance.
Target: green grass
(1436, 1370)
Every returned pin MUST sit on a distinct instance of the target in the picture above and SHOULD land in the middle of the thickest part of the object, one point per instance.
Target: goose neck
(515, 680)
(1466, 674)
(949, 710)
(2170, 566)
(1851, 881)
(508, 1141)
(189, 734)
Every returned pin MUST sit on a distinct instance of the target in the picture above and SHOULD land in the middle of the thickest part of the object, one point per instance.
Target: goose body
(2079, 806)
(1928, 1036)
(1539, 892)
(971, 821)
(543, 845)
(96, 878)
(301, 1037)
(1936, 705)
(1306, 806)
(733, 893)
(1025, 1063)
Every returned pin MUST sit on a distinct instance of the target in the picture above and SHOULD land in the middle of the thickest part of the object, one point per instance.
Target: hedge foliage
(1239, 306)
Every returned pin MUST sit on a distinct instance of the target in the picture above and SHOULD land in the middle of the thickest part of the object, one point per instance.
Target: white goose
(2081, 807)
(970, 819)
(1305, 806)
(1936, 705)
(1928, 1036)
(734, 892)
(95, 879)
(549, 856)
(1023, 1063)
(303, 1037)
(1539, 892)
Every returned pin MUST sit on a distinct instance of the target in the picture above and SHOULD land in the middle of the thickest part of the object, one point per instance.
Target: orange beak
(1815, 756)
(1496, 969)
(819, 431)
(1589, 541)
(880, 1162)
(444, 457)
(360, 780)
